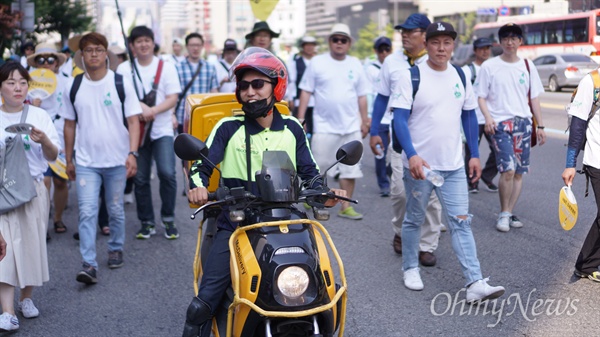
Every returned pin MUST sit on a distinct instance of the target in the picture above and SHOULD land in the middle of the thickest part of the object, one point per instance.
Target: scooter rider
(261, 80)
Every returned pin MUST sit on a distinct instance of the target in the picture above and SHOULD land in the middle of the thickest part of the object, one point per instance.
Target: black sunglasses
(386, 49)
(341, 40)
(50, 60)
(256, 84)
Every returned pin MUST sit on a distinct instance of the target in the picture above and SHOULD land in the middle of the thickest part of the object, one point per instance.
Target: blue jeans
(162, 151)
(88, 182)
(380, 165)
(454, 198)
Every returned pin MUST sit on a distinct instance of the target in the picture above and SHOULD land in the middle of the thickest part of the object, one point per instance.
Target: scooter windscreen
(277, 181)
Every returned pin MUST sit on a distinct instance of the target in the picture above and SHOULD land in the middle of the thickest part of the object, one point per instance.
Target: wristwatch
(134, 153)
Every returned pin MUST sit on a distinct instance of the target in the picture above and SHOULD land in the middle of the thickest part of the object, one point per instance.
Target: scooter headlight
(293, 282)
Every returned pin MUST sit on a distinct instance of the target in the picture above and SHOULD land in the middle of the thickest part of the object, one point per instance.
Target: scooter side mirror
(350, 153)
(188, 147)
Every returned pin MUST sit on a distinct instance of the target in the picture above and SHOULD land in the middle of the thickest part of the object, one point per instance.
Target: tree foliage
(61, 16)
(363, 46)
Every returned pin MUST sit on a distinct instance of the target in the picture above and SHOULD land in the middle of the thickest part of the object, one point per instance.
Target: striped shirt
(203, 83)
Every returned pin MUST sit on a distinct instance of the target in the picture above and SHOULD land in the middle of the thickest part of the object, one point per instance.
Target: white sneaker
(412, 279)
(28, 309)
(481, 291)
(443, 228)
(503, 224)
(128, 198)
(8, 322)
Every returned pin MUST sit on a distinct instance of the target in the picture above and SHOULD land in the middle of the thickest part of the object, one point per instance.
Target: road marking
(553, 106)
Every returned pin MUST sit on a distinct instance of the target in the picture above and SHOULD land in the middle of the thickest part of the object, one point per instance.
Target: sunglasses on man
(256, 84)
(341, 40)
(41, 60)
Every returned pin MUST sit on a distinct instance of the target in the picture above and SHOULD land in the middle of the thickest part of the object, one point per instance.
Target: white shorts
(324, 147)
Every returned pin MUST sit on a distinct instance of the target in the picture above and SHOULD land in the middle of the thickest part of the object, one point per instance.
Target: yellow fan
(567, 208)
(59, 166)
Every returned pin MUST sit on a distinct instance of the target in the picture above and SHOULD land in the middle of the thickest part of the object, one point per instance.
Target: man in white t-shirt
(177, 56)
(160, 144)
(106, 150)
(392, 70)
(506, 85)
(584, 134)
(428, 129)
(339, 85)
(382, 48)
(230, 52)
(482, 49)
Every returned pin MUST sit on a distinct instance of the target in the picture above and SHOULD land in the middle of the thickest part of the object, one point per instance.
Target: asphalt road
(149, 295)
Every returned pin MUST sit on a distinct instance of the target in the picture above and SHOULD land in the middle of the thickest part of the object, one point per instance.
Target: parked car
(563, 70)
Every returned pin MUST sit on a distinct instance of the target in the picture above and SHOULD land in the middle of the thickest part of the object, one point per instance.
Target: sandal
(59, 227)
(105, 230)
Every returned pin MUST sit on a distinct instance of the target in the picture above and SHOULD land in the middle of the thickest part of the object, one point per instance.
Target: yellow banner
(263, 8)
(43, 83)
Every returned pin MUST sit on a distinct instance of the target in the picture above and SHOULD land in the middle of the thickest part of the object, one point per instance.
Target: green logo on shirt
(457, 93)
(107, 100)
(350, 75)
(27, 145)
(522, 79)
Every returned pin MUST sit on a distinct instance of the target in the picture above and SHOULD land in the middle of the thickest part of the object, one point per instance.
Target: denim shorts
(512, 142)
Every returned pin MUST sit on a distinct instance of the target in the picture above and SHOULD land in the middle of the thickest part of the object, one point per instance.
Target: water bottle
(436, 179)
(379, 150)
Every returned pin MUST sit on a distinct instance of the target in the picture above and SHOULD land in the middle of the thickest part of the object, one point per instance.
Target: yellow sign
(59, 166)
(263, 8)
(43, 83)
(567, 208)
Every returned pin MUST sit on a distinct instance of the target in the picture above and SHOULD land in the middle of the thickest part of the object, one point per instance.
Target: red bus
(571, 33)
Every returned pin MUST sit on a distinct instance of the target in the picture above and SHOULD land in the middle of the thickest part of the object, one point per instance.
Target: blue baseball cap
(382, 41)
(482, 42)
(414, 21)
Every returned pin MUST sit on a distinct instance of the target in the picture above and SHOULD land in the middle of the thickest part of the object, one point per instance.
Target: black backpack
(415, 78)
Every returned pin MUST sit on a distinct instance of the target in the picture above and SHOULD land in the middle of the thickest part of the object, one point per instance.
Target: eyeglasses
(513, 39)
(256, 84)
(341, 40)
(41, 60)
(410, 31)
(385, 49)
(96, 50)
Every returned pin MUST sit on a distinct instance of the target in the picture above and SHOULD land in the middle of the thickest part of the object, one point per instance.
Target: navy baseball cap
(382, 41)
(510, 29)
(414, 21)
(482, 42)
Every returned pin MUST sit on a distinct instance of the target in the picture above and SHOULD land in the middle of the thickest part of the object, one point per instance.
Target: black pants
(490, 170)
(589, 256)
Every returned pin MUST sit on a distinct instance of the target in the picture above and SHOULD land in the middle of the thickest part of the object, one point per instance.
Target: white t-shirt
(167, 85)
(67, 68)
(54, 103)
(505, 86)
(467, 70)
(336, 86)
(39, 118)
(293, 76)
(580, 108)
(392, 70)
(222, 73)
(435, 121)
(101, 138)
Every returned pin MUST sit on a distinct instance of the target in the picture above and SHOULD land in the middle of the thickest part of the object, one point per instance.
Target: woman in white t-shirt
(47, 57)
(24, 228)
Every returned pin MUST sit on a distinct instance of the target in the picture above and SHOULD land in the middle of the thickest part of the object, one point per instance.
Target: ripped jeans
(454, 198)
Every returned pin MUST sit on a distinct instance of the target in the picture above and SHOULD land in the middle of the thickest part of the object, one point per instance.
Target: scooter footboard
(243, 283)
